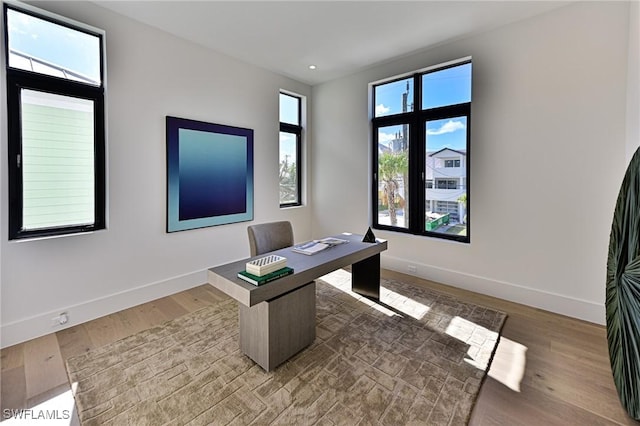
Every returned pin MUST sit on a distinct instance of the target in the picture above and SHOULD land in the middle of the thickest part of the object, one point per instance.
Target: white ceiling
(339, 37)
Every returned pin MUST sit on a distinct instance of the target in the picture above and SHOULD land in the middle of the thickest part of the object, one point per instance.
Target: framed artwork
(209, 174)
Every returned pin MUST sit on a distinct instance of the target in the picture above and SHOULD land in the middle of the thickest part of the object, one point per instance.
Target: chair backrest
(266, 237)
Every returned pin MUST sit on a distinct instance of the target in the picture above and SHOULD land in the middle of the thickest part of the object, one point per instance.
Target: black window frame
(297, 131)
(415, 122)
(17, 80)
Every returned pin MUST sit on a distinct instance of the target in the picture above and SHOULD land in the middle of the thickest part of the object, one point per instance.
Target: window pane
(47, 48)
(288, 168)
(393, 168)
(446, 167)
(58, 163)
(394, 98)
(449, 86)
(289, 109)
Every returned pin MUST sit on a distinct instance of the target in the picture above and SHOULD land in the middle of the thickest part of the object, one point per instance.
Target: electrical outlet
(59, 320)
(412, 268)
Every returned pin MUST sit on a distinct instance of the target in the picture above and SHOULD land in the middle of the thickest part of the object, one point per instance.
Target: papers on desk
(315, 246)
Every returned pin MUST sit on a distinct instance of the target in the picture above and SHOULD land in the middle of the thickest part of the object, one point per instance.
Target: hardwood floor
(548, 369)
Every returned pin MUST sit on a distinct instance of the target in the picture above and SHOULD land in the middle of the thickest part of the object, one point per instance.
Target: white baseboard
(39, 325)
(558, 303)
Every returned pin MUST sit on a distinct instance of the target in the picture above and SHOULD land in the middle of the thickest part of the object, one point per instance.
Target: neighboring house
(445, 179)
(446, 182)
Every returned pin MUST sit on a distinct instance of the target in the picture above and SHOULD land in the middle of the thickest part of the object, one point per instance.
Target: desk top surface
(306, 269)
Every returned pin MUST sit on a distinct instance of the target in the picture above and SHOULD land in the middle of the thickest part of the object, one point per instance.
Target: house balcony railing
(444, 194)
(452, 172)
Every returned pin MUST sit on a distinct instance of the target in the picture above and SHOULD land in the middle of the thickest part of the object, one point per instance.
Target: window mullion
(418, 180)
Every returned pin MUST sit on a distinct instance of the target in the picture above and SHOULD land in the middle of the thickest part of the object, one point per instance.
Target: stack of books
(266, 269)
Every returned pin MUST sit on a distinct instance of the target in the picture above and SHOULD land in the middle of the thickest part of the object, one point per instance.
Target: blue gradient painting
(209, 174)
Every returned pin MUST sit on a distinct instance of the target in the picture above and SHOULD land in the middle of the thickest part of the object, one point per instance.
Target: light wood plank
(13, 389)
(190, 301)
(153, 313)
(43, 365)
(497, 406)
(170, 308)
(12, 357)
(208, 292)
(106, 330)
(74, 341)
(215, 292)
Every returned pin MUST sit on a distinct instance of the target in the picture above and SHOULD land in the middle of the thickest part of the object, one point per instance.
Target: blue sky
(446, 133)
(62, 46)
(287, 147)
(446, 87)
(289, 106)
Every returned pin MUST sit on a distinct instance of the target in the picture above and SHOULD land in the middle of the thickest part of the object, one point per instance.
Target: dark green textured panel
(623, 291)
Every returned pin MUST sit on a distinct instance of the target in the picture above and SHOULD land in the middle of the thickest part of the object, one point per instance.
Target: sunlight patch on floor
(461, 329)
(509, 360)
(474, 336)
(509, 363)
(341, 279)
(404, 304)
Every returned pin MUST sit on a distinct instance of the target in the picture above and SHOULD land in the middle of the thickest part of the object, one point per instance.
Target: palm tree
(392, 165)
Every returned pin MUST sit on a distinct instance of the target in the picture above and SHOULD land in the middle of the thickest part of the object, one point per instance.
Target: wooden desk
(277, 320)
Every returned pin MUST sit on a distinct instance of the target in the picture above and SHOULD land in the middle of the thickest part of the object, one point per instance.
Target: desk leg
(271, 332)
(365, 277)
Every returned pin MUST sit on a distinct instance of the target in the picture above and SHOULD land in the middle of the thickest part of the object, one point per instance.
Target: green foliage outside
(391, 167)
(288, 182)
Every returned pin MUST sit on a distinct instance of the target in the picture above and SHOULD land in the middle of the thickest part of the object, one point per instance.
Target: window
(446, 184)
(421, 154)
(290, 150)
(56, 137)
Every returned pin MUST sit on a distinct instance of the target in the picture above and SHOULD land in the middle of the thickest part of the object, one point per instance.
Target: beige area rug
(418, 357)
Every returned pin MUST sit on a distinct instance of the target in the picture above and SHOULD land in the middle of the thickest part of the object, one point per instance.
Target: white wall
(150, 75)
(633, 81)
(547, 158)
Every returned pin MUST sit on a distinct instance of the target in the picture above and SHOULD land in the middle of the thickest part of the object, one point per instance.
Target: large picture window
(290, 150)
(56, 135)
(421, 132)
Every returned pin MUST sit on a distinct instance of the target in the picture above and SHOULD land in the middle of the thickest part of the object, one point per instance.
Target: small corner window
(56, 125)
(290, 156)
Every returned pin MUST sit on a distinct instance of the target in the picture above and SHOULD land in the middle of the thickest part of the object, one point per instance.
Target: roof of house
(461, 152)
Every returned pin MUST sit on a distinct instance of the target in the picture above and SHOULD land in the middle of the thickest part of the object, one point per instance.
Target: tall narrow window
(290, 150)
(421, 154)
(56, 143)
